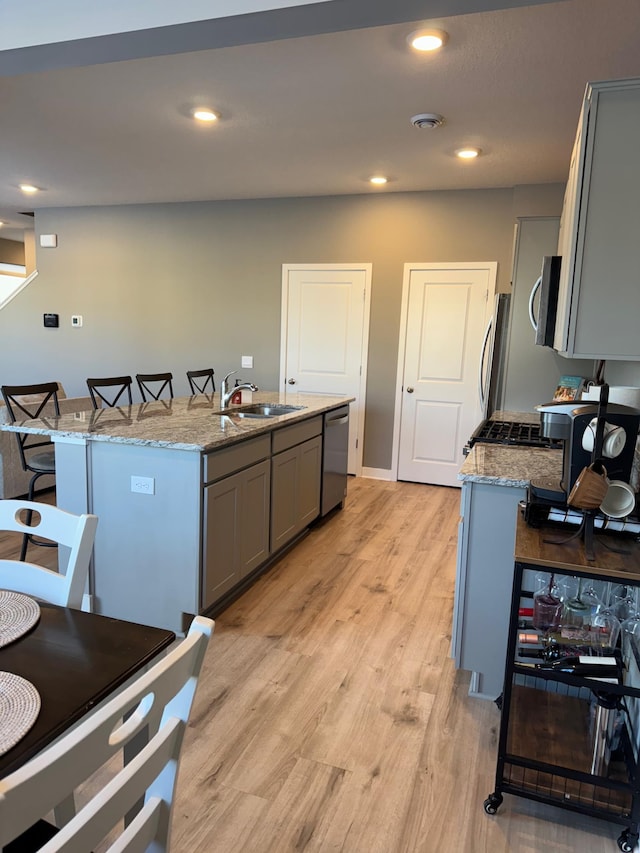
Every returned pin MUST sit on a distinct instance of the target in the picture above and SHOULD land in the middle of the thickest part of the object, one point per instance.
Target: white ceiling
(317, 114)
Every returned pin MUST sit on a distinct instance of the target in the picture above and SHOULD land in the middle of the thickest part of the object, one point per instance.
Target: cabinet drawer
(289, 436)
(221, 463)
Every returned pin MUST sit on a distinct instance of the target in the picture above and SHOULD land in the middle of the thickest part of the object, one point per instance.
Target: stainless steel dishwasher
(335, 455)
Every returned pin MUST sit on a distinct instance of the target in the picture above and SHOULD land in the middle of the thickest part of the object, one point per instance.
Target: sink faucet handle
(230, 373)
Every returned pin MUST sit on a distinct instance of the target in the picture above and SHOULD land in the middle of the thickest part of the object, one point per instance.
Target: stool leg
(27, 536)
(23, 550)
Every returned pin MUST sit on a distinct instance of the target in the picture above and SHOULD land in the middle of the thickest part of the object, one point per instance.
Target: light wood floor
(329, 716)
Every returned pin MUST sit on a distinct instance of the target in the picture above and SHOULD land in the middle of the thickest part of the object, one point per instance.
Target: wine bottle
(586, 666)
(527, 653)
(554, 651)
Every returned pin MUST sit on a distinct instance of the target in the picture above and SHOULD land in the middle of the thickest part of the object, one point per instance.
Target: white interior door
(446, 308)
(325, 326)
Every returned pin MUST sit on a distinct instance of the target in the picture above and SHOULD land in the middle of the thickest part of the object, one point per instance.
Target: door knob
(292, 382)
(409, 390)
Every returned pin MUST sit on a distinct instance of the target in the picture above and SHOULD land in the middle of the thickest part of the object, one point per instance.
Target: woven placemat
(18, 614)
(19, 709)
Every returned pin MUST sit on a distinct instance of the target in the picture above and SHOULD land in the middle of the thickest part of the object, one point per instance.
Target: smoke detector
(423, 120)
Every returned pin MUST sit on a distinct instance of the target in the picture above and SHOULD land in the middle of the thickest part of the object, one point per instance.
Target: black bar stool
(25, 402)
(148, 381)
(199, 380)
(117, 385)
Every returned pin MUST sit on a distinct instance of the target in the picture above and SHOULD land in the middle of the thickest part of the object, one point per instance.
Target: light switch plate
(246, 361)
(76, 320)
(48, 241)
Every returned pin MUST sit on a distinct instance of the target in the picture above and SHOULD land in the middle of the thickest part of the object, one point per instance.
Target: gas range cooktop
(511, 433)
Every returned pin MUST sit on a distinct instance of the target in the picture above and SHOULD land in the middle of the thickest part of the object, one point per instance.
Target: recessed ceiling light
(425, 40)
(2, 223)
(29, 188)
(378, 180)
(467, 153)
(204, 114)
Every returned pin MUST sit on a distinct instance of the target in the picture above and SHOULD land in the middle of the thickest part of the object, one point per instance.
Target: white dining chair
(76, 532)
(159, 700)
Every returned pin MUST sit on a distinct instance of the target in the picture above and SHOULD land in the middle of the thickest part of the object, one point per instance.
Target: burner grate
(511, 432)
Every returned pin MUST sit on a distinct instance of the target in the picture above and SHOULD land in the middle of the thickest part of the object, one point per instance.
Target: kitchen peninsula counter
(192, 503)
(184, 423)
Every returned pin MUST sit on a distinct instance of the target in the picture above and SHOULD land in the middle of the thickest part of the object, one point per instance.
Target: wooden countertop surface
(542, 547)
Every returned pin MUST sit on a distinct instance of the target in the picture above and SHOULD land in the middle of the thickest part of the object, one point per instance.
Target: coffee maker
(588, 430)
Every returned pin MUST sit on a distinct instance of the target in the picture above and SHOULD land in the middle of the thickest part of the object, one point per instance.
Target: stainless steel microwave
(548, 285)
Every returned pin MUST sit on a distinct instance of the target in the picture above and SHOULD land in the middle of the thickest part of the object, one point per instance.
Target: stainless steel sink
(266, 410)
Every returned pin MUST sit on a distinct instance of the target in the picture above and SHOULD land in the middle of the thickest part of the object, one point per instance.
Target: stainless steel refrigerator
(518, 374)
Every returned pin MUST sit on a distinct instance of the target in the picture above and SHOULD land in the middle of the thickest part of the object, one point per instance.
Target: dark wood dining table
(75, 660)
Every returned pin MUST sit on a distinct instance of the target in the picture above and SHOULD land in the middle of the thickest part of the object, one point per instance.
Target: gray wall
(185, 286)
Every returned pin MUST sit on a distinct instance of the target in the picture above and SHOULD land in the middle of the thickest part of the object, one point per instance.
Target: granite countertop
(507, 465)
(517, 417)
(184, 423)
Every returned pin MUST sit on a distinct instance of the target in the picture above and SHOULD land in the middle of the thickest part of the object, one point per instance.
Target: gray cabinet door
(236, 530)
(599, 304)
(295, 490)
(309, 483)
(221, 539)
(284, 512)
(254, 530)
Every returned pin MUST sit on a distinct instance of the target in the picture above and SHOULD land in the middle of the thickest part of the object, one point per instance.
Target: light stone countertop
(508, 465)
(517, 417)
(184, 423)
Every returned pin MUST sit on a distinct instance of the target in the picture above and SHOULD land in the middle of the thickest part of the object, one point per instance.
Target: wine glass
(630, 630)
(605, 630)
(624, 601)
(576, 609)
(547, 604)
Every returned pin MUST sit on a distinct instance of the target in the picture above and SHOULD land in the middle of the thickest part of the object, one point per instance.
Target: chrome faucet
(227, 393)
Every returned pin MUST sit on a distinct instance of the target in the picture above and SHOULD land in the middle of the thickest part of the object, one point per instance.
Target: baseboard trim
(378, 473)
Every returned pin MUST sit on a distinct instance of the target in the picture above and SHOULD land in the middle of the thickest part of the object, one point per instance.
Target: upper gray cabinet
(599, 296)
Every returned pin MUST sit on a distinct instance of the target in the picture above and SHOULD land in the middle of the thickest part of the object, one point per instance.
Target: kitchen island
(494, 481)
(192, 502)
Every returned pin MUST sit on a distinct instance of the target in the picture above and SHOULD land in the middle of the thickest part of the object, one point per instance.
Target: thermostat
(51, 321)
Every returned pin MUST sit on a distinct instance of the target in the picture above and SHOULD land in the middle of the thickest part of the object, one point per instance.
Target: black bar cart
(567, 739)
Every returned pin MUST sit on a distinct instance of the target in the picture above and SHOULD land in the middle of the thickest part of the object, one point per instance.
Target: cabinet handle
(343, 419)
(532, 296)
(292, 381)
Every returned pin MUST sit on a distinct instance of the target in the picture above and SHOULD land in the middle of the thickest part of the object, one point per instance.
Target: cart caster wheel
(492, 803)
(625, 843)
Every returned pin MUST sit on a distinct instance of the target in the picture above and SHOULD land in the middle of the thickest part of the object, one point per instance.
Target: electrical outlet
(143, 485)
(246, 361)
